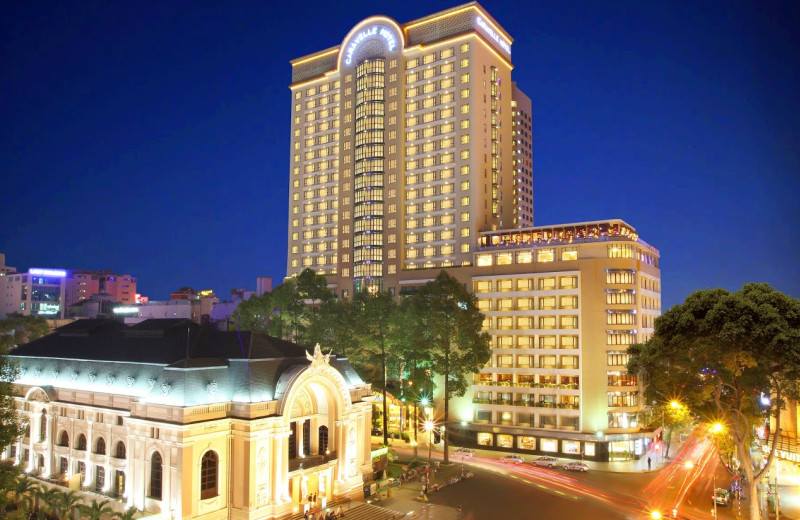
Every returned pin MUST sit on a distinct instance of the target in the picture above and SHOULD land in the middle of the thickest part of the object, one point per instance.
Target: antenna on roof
(188, 329)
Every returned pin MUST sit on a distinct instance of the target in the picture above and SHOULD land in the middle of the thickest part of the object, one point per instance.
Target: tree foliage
(15, 329)
(717, 353)
(448, 316)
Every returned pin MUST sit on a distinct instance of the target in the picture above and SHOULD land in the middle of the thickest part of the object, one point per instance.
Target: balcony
(310, 461)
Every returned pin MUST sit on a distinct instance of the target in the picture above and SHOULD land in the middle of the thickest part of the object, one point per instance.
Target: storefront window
(550, 445)
(571, 447)
(588, 449)
(527, 443)
(485, 439)
(505, 441)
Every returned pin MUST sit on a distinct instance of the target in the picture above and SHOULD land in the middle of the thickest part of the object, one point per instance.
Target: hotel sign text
(491, 33)
(375, 30)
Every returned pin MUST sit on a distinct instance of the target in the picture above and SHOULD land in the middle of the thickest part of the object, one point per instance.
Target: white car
(512, 459)
(550, 462)
(576, 466)
(463, 452)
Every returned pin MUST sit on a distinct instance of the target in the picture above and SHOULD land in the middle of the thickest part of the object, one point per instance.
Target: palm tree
(23, 491)
(97, 510)
(130, 514)
(47, 499)
(68, 502)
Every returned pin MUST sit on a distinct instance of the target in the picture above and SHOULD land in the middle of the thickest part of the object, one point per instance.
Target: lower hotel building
(188, 422)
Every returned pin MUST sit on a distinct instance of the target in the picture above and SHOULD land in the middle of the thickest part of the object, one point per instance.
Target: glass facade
(369, 173)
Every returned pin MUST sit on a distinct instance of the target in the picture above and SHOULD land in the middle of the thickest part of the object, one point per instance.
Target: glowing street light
(655, 515)
(717, 427)
(429, 426)
(674, 405)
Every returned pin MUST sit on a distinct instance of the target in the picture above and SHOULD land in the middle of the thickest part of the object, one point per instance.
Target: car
(576, 466)
(550, 462)
(464, 452)
(722, 497)
(512, 459)
(377, 431)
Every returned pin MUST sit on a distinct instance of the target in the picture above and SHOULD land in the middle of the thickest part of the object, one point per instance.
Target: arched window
(43, 426)
(100, 447)
(208, 475)
(323, 439)
(155, 476)
(81, 442)
(64, 439)
(121, 450)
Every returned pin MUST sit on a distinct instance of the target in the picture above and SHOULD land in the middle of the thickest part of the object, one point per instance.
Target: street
(501, 490)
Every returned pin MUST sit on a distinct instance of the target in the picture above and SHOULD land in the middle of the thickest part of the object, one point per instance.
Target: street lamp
(716, 428)
(429, 428)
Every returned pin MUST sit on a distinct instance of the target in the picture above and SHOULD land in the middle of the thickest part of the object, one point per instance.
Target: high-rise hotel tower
(405, 143)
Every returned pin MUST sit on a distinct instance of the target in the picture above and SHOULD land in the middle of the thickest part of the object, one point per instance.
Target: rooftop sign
(492, 34)
(375, 30)
(60, 273)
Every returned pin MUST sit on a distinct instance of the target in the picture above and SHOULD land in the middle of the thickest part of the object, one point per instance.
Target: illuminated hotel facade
(402, 148)
(411, 152)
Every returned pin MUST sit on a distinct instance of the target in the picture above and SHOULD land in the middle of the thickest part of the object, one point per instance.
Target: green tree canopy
(449, 318)
(717, 353)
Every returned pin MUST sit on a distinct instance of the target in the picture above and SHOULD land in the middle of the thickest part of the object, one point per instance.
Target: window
(617, 276)
(99, 479)
(100, 447)
(322, 439)
(545, 255)
(120, 452)
(616, 399)
(622, 379)
(155, 476)
(620, 251)
(63, 439)
(617, 358)
(208, 475)
(569, 253)
(43, 426)
(81, 443)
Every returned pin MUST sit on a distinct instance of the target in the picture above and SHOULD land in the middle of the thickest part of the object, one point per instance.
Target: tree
(718, 353)
(46, 501)
(670, 415)
(17, 329)
(374, 317)
(129, 514)
(254, 314)
(23, 491)
(68, 503)
(96, 510)
(451, 324)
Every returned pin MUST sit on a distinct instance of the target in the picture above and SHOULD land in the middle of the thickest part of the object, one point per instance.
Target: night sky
(152, 138)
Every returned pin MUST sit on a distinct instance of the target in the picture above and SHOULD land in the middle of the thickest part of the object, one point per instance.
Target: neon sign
(375, 30)
(60, 273)
(491, 33)
(49, 309)
(126, 310)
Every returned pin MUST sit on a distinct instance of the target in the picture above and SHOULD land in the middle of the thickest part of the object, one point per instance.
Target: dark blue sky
(152, 138)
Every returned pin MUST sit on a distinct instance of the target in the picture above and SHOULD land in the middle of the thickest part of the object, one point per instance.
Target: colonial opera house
(174, 418)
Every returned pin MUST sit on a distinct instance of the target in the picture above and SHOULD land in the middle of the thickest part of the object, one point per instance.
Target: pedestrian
(339, 512)
(305, 515)
(649, 462)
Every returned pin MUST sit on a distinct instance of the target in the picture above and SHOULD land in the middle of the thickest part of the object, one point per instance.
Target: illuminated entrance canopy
(491, 33)
(375, 30)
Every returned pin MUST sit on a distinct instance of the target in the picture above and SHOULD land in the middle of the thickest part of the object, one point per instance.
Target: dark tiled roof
(156, 341)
